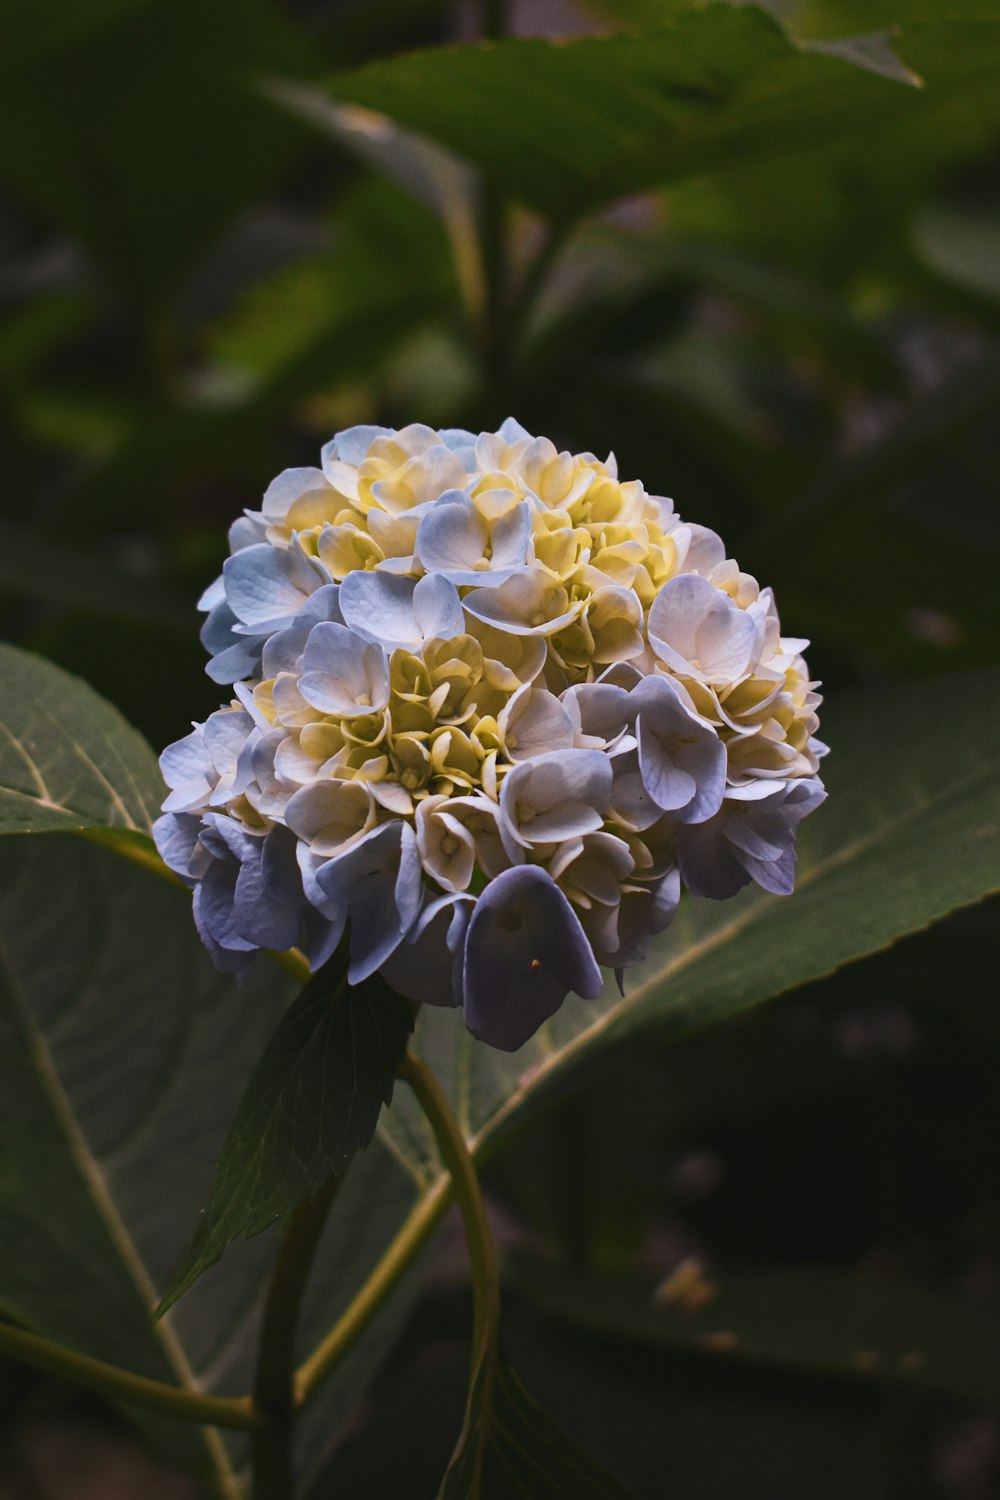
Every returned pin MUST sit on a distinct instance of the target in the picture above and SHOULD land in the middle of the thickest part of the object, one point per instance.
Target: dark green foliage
(513, 1451)
(810, 1320)
(68, 760)
(311, 1105)
(767, 280)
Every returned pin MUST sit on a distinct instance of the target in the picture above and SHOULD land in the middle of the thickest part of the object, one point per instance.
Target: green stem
(462, 1184)
(122, 1385)
(141, 852)
(410, 1240)
(482, 1255)
(469, 1195)
(274, 1388)
(534, 280)
(135, 847)
(495, 346)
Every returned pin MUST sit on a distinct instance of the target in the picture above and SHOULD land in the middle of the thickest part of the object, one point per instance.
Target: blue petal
(176, 836)
(267, 902)
(428, 966)
(524, 952)
(377, 882)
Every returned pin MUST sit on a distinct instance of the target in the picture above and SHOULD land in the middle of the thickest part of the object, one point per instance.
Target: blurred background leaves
(761, 266)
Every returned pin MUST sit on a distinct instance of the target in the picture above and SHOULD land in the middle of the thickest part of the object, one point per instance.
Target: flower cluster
(492, 707)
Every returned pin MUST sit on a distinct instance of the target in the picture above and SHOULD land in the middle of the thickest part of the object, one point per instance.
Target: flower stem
(122, 1385)
(482, 1252)
(274, 1387)
(469, 1195)
(462, 1184)
(352, 1323)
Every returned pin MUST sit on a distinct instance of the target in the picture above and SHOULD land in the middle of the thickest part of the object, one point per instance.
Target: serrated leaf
(512, 1450)
(68, 759)
(123, 1056)
(311, 1105)
(872, 50)
(909, 833)
(568, 126)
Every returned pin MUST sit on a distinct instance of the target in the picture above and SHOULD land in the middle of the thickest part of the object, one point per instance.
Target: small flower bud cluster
(492, 707)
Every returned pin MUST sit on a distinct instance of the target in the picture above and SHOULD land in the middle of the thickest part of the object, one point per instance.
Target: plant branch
(482, 1253)
(122, 1385)
(462, 1184)
(493, 232)
(274, 1387)
(142, 852)
(409, 1241)
(469, 1195)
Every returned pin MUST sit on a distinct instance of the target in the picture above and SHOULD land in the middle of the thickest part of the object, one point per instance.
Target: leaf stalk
(274, 1402)
(110, 1380)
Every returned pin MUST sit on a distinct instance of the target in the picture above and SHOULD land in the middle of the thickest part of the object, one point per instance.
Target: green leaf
(68, 760)
(123, 1056)
(908, 834)
(813, 1320)
(840, 17)
(568, 126)
(312, 1104)
(511, 1448)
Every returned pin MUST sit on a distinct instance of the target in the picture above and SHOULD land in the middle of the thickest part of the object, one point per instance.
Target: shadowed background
(768, 276)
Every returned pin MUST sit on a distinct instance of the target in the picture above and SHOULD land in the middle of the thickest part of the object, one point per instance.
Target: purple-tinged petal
(557, 796)
(378, 883)
(177, 836)
(681, 758)
(428, 966)
(267, 902)
(524, 952)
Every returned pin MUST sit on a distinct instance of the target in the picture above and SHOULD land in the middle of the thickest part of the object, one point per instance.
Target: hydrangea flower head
(492, 706)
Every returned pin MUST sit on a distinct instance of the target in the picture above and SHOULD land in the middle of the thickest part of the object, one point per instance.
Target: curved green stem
(274, 1402)
(482, 1259)
(469, 1196)
(462, 1184)
(344, 1334)
(122, 1385)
